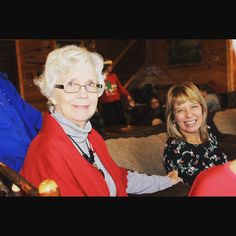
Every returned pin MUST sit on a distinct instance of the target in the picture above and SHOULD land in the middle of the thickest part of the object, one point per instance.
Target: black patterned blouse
(190, 159)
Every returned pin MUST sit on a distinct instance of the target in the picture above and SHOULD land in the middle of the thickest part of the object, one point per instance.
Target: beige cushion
(225, 121)
(143, 154)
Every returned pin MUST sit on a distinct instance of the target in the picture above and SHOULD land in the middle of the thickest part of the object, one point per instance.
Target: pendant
(100, 170)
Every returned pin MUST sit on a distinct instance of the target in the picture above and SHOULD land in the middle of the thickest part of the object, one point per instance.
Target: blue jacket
(19, 124)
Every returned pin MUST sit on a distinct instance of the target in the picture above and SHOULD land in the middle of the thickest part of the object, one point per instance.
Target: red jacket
(52, 155)
(113, 89)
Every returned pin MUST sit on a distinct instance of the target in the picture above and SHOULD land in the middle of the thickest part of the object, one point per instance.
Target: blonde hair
(179, 94)
(60, 60)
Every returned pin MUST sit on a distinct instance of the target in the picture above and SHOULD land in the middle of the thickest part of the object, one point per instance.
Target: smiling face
(77, 107)
(186, 113)
(188, 117)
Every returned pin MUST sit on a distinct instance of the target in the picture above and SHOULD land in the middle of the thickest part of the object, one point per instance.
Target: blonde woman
(191, 147)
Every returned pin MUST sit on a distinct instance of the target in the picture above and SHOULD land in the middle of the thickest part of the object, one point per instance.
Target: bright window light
(234, 44)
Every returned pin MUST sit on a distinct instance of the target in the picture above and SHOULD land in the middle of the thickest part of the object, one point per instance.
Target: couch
(144, 154)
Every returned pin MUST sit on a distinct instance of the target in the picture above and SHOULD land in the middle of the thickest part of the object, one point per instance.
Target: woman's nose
(82, 92)
(188, 113)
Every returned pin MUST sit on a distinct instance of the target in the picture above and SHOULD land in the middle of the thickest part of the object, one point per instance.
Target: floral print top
(190, 159)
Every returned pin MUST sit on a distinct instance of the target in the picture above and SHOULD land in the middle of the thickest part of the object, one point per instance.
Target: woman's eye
(195, 106)
(180, 110)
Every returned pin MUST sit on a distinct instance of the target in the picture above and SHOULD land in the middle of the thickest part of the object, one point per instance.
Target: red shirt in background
(113, 89)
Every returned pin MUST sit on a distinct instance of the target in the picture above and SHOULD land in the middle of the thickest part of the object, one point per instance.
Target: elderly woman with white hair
(67, 149)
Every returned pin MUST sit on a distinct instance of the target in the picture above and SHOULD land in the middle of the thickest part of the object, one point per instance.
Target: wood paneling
(8, 63)
(212, 68)
(31, 56)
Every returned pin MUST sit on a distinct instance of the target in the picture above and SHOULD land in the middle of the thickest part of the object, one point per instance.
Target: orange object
(48, 188)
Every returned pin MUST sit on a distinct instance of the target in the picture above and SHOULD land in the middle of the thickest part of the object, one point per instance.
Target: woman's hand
(174, 177)
(131, 101)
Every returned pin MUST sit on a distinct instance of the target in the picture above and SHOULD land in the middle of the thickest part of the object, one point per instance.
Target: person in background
(217, 181)
(212, 100)
(98, 123)
(19, 124)
(155, 114)
(191, 146)
(111, 105)
(67, 149)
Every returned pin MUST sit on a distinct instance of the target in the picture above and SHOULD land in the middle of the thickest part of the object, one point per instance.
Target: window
(184, 52)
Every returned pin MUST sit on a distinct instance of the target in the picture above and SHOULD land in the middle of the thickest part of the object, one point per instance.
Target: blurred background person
(212, 100)
(155, 114)
(112, 108)
(98, 122)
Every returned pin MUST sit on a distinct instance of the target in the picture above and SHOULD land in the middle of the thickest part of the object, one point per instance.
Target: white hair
(60, 60)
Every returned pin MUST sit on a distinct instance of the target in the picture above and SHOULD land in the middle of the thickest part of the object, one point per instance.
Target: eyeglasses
(75, 88)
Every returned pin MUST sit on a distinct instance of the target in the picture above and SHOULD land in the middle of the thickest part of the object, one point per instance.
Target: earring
(174, 123)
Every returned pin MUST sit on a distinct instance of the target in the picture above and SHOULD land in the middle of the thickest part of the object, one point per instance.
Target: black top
(190, 159)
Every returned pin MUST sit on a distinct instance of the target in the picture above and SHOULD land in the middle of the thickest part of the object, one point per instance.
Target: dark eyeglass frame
(61, 86)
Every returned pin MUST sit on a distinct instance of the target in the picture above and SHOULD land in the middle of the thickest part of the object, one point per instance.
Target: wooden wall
(129, 55)
(212, 68)
(8, 62)
(31, 56)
